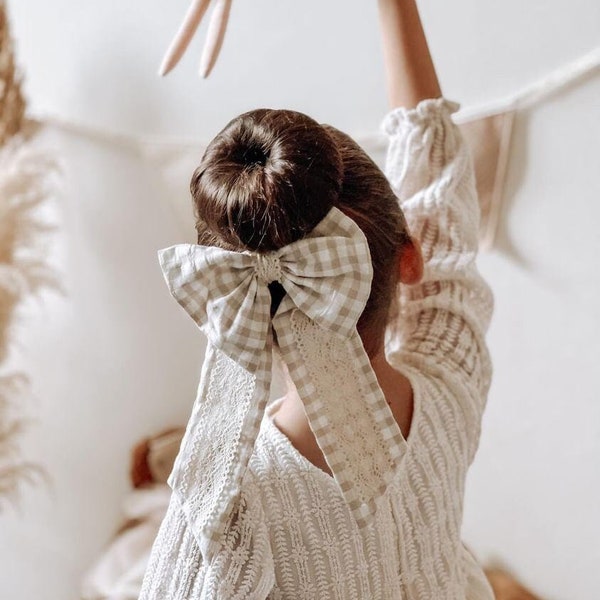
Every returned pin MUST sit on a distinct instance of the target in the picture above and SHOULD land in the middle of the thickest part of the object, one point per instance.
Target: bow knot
(268, 267)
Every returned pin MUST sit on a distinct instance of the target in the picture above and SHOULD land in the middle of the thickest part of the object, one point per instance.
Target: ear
(410, 262)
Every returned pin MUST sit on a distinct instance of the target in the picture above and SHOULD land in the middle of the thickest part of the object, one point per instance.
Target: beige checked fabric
(327, 278)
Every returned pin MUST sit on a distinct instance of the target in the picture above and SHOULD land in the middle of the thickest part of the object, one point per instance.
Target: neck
(395, 387)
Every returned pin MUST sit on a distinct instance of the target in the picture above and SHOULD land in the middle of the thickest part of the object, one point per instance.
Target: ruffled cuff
(424, 142)
(423, 113)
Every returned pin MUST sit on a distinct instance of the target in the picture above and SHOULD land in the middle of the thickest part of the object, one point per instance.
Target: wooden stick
(215, 36)
(184, 35)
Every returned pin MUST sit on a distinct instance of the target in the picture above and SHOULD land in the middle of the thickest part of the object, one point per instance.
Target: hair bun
(266, 179)
(254, 155)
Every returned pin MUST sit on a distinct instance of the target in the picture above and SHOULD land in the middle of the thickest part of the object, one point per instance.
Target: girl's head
(271, 175)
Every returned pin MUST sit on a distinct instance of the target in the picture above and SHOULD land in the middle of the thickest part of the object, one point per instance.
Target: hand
(214, 37)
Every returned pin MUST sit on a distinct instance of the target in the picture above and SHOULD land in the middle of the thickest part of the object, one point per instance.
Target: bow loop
(329, 279)
(220, 290)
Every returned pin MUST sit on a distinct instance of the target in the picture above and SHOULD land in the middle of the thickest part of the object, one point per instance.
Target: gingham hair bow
(226, 292)
(327, 278)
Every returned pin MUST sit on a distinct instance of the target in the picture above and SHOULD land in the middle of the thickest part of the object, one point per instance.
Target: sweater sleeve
(242, 570)
(441, 322)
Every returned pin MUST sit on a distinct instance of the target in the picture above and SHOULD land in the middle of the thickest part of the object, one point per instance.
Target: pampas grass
(15, 471)
(28, 180)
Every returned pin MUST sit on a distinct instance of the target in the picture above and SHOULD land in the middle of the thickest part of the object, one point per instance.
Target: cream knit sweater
(293, 537)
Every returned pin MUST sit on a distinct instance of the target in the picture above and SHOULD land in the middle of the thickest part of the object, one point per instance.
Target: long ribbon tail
(346, 409)
(219, 440)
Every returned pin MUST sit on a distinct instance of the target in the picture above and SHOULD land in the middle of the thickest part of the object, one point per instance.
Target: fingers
(184, 35)
(215, 36)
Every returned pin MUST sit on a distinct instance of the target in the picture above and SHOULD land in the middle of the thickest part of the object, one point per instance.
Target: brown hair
(271, 175)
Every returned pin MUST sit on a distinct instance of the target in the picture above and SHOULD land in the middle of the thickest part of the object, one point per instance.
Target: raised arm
(410, 73)
(440, 328)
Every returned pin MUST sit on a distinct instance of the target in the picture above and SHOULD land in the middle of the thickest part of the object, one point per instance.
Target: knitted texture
(292, 535)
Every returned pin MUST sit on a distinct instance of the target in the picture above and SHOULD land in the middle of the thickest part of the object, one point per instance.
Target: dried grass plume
(27, 180)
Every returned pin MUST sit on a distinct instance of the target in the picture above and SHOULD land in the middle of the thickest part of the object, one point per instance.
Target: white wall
(535, 485)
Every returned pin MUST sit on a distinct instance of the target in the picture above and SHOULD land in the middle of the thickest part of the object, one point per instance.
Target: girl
(268, 181)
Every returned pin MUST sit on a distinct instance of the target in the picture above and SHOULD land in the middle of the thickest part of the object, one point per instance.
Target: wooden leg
(506, 587)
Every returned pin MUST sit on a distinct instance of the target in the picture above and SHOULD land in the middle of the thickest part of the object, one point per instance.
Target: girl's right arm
(410, 73)
(441, 325)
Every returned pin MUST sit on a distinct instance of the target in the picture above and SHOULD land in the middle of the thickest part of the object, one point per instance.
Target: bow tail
(219, 440)
(346, 409)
